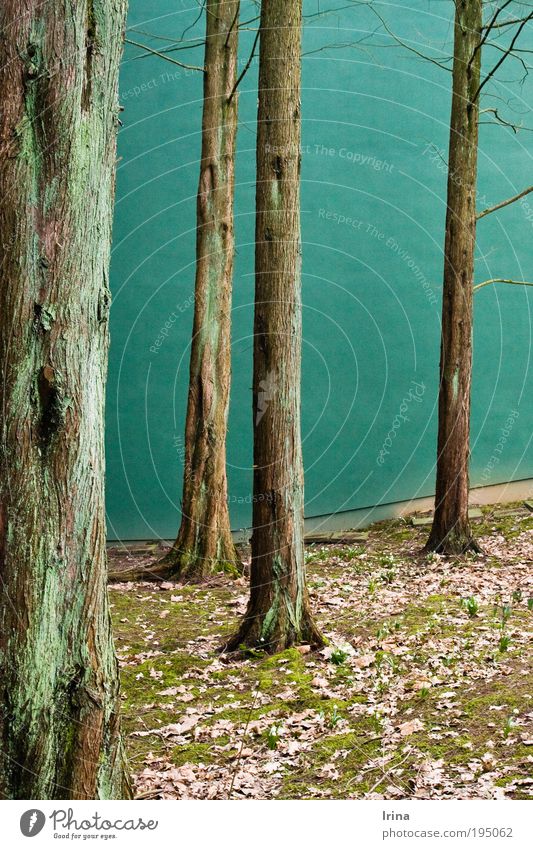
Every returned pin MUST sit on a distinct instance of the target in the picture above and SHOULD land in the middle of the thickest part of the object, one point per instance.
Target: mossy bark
(278, 613)
(204, 544)
(59, 689)
(451, 532)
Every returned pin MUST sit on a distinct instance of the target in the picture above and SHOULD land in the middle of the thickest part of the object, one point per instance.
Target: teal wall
(373, 207)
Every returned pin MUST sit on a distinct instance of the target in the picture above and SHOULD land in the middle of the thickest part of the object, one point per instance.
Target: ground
(425, 690)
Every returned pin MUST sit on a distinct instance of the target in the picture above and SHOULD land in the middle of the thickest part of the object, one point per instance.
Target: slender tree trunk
(451, 533)
(59, 690)
(278, 612)
(204, 543)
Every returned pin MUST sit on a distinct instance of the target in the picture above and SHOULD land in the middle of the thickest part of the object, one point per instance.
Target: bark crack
(50, 406)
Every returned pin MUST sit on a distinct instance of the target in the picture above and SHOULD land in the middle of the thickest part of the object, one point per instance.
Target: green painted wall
(373, 206)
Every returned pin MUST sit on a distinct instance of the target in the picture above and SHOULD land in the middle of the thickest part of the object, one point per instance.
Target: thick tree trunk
(451, 533)
(59, 691)
(278, 612)
(204, 543)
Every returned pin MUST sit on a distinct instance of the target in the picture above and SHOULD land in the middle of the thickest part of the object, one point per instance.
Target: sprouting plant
(506, 613)
(423, 692)
(471, 606)
(334, 717)
(338, 656)
(388, 576)
(372, 586)
(504, 639)
(504, 642)
(432, 557)
(273, 737)
(387, 560)
(383, 632)
(530, 604)
(316, 555)
(353, 553)
(383, 658)
(317, 583)
(379, 658)
(510, 724)
(517, 595)
(381, 687)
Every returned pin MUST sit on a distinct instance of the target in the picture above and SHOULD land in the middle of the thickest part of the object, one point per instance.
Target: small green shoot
(273, 737)
(504, 642)
(471, 606)
(338, 656)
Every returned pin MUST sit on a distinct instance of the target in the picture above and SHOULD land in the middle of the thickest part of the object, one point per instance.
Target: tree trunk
(451, 532)
(59, 690)
(204, 543)
(278, 612)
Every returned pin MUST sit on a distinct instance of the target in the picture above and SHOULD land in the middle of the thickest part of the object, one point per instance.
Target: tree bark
(278, 613)
(451, 532)
(59, 690)
(204, 543)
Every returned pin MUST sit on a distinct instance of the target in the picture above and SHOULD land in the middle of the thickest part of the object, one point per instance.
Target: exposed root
(282, 636)
(180, 566)
(452, 543)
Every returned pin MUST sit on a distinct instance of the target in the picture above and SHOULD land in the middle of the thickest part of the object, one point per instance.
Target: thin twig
(234, 21)
(407, 46)
(488, 29)
(504, 203)
(197, 18)
(385, 774)
(514, 127)
(500, 62)
(502, 280)
(172, 47)
(164, 56)
(245, 69)
(239, 756)
(502, 24)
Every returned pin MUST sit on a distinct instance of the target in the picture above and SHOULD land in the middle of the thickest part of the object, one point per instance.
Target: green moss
(472, 703)
(196, 753)
(138, 614)
(227, 568)
(357, 748)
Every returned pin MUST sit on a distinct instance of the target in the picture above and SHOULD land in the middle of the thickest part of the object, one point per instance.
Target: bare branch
(191, 26)
(507, 52)
(234, 21)
(246, 67)
(407, 46)
(173, 46)
(501, 280)
(504, 203)
(513, 55)
(164, 56)
(244, 24)
(500, 120)
(488, 28)
(501, 24)
(342, 45)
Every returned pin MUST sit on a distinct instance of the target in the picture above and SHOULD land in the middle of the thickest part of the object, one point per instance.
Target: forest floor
(425, 690)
